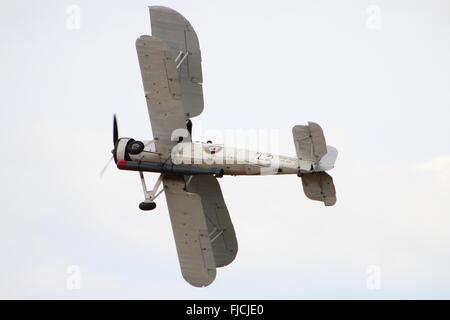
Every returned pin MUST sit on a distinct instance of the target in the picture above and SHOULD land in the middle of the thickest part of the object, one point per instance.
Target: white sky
(380, 93)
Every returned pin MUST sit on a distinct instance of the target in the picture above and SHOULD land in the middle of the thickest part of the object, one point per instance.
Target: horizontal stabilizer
(319, 186)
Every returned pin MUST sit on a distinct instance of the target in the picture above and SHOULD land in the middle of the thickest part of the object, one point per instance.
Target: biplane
(170, 64)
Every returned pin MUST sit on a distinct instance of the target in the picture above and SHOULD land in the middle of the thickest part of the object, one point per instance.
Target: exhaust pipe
(167, 168)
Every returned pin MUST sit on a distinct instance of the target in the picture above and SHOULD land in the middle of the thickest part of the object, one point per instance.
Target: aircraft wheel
(147, 206)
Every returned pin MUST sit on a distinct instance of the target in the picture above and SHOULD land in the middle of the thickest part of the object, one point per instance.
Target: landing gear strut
(150, 195)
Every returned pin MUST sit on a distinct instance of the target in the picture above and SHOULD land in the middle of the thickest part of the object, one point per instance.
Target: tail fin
(314, 157)
(328, 160)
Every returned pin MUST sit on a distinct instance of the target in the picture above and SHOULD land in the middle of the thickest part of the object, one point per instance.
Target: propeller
(106, 166)
(115, 131)
(115, 139)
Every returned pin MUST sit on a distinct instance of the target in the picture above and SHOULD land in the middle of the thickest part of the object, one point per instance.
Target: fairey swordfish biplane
(170, 63)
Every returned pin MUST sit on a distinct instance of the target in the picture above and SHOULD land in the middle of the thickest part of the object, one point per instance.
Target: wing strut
(181, 58)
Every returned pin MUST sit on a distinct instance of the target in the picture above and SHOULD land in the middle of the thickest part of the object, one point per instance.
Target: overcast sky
(376, 76)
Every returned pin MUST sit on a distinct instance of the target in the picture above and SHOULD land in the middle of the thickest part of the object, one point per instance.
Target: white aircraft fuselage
(233, 161)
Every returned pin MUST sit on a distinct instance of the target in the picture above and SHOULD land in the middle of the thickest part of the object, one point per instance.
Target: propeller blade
(115, 130)
(106, 167)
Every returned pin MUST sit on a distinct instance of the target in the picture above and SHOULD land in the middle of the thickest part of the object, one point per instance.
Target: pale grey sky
(378, 85)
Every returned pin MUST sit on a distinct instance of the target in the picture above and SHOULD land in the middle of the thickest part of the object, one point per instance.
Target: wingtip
(200, 283)
(163, 9)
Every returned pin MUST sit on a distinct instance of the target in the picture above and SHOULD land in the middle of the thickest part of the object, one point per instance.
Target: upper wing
(162, 92)
(190, 230)
(171, 27)
(221, 230)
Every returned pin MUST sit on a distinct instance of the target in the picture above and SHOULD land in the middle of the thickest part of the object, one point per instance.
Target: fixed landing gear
(147, 206)
(150, 195)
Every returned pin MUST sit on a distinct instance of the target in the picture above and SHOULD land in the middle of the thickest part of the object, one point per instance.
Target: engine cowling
(126, 147)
